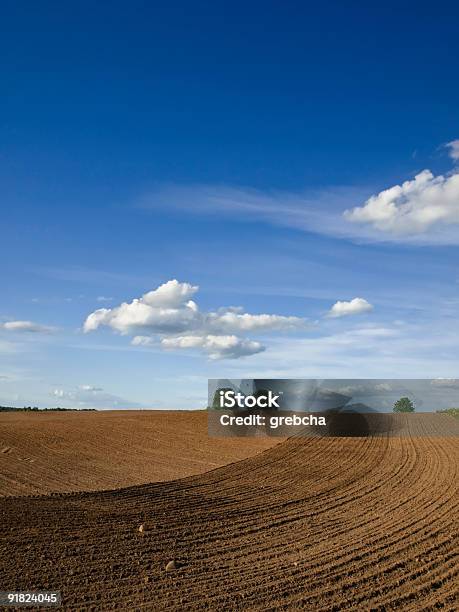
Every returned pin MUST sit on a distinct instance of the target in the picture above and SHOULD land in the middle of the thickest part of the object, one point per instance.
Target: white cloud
(170, 295)
(453, 147)
(232, 320)
(365, 388)
(90, 388)
(88, 396)
(375, 332)
(445, 382)
(424, 210)
(103, 298)
(217, 347)
(317, 211)
(143, 341)
(27, 326)
(169, 314)
(166, 309)
(353, 307)
(414, 351)
(415, 207)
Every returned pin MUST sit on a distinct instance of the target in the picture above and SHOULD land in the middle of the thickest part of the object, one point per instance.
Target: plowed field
(364, 523)
(81, 451)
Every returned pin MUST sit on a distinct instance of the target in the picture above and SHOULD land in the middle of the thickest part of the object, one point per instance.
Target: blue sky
(277, 159)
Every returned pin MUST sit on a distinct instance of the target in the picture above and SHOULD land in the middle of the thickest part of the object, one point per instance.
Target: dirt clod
(171, 566)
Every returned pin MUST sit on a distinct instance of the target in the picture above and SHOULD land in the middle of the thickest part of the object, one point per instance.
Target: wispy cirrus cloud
(103, 298)
(313, 211)
(370, 351)
(422, 210)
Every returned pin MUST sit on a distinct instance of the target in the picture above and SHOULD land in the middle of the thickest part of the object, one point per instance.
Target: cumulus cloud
(353, 307)
(425, 203)
(217, 347)
(166, 309)
(27, 326)
(168, 318)
(453, 147)
(231, 320)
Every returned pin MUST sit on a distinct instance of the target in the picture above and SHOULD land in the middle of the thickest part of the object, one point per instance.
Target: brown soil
(365, 523)
(81, 451)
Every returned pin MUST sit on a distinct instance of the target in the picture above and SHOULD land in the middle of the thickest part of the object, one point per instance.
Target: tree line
(36, 409)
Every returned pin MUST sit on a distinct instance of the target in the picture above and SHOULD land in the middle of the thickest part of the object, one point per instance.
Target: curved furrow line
(304, 569)
(314, 523)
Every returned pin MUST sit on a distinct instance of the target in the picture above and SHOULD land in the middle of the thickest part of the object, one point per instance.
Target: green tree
(454, 412)
(404, 404)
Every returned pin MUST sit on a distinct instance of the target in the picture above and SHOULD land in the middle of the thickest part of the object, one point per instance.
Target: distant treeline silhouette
(452, 411)
(36, 409)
